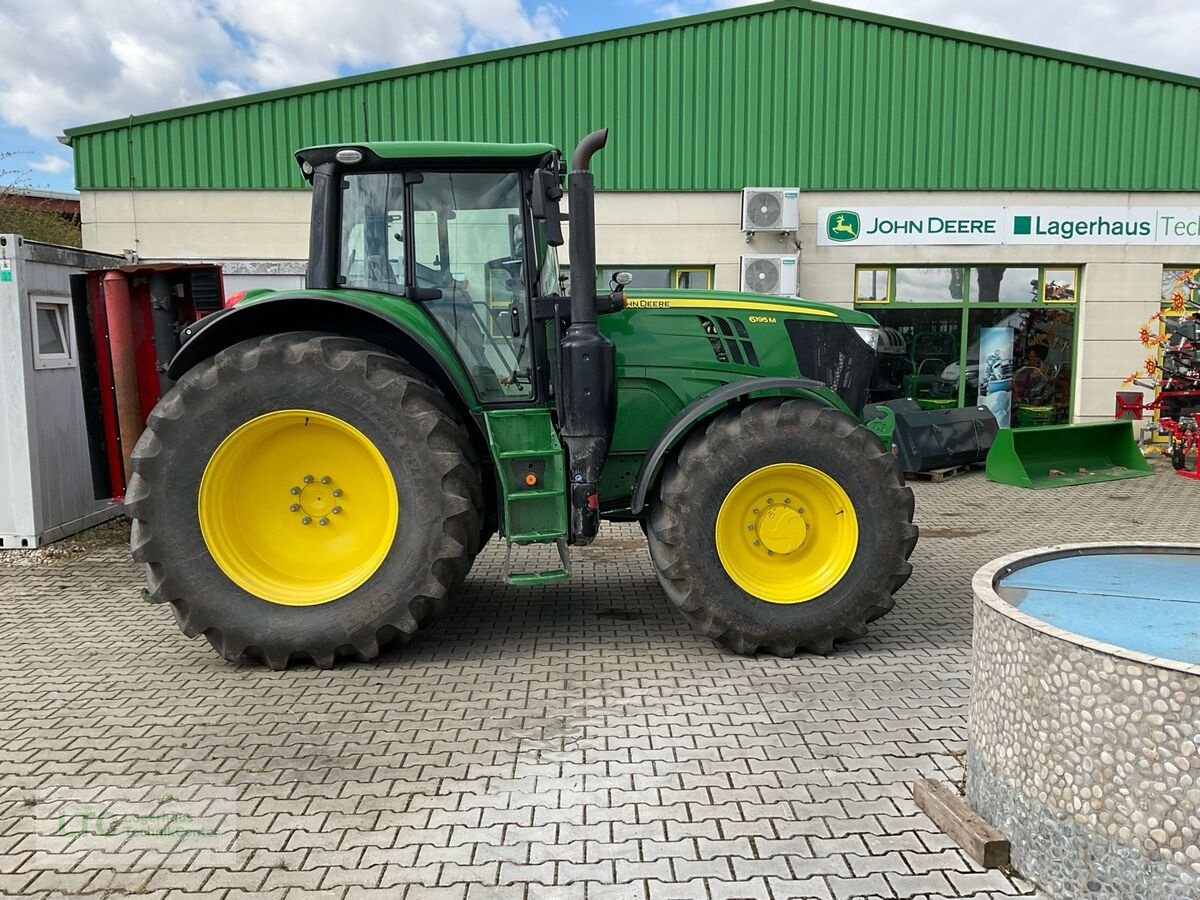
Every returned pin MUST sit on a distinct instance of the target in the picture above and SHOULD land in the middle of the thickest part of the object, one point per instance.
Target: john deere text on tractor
(331, 460)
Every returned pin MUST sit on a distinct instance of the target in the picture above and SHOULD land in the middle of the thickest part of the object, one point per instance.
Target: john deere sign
(896, 226)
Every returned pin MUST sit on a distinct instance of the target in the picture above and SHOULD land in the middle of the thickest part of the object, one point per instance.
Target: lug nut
(337, 510)
(295, 490)
(749, 527)
(295, 507)
(325, 479)
(756, 511)
(787, 499)
(770, 553)
(756, 543)
(307, 520)
(308, 479)
(337, 492)
(770, 499)
(323, 521)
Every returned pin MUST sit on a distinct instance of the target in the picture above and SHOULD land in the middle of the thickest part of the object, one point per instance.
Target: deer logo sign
(843, 225)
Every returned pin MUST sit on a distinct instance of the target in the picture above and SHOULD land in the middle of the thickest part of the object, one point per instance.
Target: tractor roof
(432, 150)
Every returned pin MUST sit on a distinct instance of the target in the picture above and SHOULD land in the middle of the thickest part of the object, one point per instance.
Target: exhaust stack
(588, 380)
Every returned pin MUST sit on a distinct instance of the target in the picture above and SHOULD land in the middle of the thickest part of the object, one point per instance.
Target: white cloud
(111, 60)
(50, 163)
(1154, 33)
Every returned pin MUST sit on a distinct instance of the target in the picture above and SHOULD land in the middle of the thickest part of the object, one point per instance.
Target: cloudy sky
(73, 62)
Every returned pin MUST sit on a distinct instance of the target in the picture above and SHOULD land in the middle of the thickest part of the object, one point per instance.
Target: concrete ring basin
(1084, 717)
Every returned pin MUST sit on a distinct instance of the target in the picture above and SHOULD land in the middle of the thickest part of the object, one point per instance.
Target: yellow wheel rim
(298, 507)
(786, 533)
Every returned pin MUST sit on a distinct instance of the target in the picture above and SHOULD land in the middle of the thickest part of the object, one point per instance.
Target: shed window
(52, 333)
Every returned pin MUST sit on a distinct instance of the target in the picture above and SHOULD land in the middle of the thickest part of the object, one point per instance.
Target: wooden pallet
(939, 475)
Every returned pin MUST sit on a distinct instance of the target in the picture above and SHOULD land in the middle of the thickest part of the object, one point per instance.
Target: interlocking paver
(568, 742)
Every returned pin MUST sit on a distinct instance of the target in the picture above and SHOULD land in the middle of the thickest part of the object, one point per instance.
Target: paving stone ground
(577, 741)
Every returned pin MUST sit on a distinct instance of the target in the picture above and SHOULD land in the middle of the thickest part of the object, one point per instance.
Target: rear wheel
(784, 526)
(303, 496)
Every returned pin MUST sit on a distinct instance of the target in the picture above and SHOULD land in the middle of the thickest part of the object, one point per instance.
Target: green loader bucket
(1057, 455)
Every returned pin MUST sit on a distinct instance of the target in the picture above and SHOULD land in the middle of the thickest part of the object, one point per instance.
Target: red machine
(135, 316)
(1176, 382)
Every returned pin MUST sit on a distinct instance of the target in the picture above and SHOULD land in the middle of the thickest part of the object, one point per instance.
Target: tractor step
(550, 576)
(546, 576)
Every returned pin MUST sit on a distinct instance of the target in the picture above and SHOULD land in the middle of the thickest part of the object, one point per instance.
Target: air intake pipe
(588, 381)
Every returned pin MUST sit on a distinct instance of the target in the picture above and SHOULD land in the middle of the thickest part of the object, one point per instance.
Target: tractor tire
(233, 500)
(827, 576)
(1178, 459)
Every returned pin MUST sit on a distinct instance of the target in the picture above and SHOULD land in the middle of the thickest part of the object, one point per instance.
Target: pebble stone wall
(1084, 755)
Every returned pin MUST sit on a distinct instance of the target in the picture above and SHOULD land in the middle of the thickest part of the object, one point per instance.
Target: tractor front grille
(832, 353)
(729, 340)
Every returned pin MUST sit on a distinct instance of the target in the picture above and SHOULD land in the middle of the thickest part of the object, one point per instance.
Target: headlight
(869, 335)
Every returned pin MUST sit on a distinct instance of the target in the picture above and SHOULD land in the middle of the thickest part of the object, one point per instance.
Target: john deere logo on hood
(843, 225)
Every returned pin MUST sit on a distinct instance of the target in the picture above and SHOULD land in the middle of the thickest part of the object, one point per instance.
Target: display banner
(995, 372)
(1019, 225)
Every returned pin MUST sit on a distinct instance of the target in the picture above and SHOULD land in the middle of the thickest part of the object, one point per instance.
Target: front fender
(395, 324)
(705, 406)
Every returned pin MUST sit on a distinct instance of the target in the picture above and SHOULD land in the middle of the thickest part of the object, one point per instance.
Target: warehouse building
(997, 206)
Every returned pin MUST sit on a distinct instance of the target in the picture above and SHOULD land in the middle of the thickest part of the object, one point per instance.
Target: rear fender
(403, 329)
(714, 401)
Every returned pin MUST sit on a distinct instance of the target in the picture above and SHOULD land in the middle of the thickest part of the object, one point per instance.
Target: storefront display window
(1025, 354)
(918, 356)
(1000, 336)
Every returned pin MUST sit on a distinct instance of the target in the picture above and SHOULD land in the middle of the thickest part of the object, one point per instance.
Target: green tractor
(330, 461)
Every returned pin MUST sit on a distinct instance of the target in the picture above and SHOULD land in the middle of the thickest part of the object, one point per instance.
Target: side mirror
(547, 191)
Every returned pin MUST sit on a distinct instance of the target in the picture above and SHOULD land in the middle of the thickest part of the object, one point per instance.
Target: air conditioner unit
(770, 209)
(769, 274)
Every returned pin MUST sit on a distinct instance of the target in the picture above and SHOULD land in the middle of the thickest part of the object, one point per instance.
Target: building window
(685, 277)
(873, 286)
(1060, 285)
(53, 339)
(694, 279)
(1000, 336)
(1004, 284)
(973, 284)
(930, 285)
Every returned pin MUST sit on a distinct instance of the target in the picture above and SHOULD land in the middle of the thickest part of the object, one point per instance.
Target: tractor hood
(727, 336)
(650, 298)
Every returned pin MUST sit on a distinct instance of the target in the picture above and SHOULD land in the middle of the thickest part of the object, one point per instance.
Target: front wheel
(782, 525)
(303, 496)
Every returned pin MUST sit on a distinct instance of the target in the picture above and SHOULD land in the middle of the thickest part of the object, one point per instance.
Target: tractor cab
(448, 226)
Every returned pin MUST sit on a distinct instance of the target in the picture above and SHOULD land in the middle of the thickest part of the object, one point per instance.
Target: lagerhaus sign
(1019, 225)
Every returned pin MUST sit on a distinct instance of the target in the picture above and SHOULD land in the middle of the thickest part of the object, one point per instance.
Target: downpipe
(588, 402)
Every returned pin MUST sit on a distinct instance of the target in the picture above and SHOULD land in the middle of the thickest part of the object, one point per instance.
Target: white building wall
(262, 238)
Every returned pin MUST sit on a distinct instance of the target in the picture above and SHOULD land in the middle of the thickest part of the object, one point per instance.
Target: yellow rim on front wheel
(786, 533)
(298, 507)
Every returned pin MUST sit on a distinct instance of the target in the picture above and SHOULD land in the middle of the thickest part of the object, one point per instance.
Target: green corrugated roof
(791, 92)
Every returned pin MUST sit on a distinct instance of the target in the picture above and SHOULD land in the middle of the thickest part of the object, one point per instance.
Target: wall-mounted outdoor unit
(776, 210)
(46, 489)
(775, 274)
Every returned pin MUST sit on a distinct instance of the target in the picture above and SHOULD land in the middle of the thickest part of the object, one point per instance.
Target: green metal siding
(788, 93)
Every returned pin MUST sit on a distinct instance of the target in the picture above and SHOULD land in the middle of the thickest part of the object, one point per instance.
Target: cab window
(469, 244)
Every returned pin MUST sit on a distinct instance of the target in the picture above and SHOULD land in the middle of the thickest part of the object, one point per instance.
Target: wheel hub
(318, 499)
(780, 529)
(786, 533)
